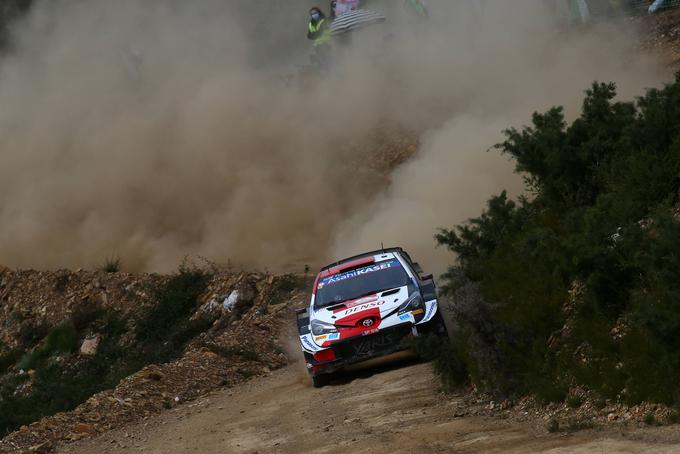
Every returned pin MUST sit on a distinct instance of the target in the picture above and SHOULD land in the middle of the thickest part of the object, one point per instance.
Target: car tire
(319, 381)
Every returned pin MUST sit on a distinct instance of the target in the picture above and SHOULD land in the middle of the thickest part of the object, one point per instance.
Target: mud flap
(302, 321)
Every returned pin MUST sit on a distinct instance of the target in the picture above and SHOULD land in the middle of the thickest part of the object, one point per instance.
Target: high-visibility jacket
(323, 31)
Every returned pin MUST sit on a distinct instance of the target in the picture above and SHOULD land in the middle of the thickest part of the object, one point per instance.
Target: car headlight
(415, 301)
(319, 328)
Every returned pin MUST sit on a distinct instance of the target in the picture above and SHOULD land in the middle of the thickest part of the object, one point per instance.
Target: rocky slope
(243, 313)
(661, 34)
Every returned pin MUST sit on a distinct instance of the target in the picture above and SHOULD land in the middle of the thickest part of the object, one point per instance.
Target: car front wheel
(320, 381)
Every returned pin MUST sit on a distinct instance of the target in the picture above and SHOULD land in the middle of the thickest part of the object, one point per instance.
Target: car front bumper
(362, 348)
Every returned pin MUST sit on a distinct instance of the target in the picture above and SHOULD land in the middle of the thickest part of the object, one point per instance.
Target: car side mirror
(427, 277)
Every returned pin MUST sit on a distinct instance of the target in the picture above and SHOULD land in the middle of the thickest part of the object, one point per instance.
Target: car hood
(362, 316)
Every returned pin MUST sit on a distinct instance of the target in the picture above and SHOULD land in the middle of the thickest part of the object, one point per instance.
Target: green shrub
(613, 170)
(86, 313)
(62, 339)
(61, 386)
(9, 357)
(31, 332)
(110, 265)
(650, 419)
(161, 332)
(574, 402)
(173, 301)
(19, 316)
(448, 361)
(283, 285)
(164, 328)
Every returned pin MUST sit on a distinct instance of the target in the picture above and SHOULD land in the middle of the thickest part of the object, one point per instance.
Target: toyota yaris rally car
(363, 307)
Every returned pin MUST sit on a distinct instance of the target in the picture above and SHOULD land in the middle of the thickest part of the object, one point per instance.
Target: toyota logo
(367, 322)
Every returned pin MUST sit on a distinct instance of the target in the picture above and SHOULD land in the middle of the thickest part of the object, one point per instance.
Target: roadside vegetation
(55, 377)
(111, 265)
(578, 281)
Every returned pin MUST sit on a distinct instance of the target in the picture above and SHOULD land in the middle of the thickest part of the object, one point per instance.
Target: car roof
(357, 258)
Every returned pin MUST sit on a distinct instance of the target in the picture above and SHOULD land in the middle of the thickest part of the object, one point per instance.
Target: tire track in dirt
(392, 407)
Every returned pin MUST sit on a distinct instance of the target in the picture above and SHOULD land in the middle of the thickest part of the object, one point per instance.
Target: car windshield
(362, 281)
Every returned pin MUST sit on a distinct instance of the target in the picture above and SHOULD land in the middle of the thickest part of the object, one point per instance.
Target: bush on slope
(604, 192)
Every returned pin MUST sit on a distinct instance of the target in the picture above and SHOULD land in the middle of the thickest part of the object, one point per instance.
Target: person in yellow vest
(319, 31)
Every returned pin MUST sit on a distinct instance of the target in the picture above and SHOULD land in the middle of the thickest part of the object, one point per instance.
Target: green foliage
(650, 419)
(166, 326)
(8, 357)
(85, 314)
(603, 192)
(19, 316)
(62, 385)
(31, 332)
(574, 402)
(283, 285)
(61, 340)
(287, 283)
(111, 265)
(448, 361)
(57, 385)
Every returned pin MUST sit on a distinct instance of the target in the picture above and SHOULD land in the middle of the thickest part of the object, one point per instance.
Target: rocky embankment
(661, 34)
(239, 315)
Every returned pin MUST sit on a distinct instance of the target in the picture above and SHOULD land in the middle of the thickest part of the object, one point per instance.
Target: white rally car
(363, 307)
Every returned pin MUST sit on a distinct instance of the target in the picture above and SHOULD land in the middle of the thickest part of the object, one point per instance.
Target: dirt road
(393, 408)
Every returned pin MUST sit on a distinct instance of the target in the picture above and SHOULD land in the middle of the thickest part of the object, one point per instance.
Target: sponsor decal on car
(357, 272)
(369, 332)
(320, 338)
(334, 336)
(368, 345)
(363, 307)
(405, 317)
(309, 344)
(417, 312)
(360, 301)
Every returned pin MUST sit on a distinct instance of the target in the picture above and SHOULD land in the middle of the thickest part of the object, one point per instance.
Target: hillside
(157, 341)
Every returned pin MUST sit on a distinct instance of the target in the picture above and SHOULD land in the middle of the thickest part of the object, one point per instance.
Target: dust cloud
(155, 130)
(495, 62)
